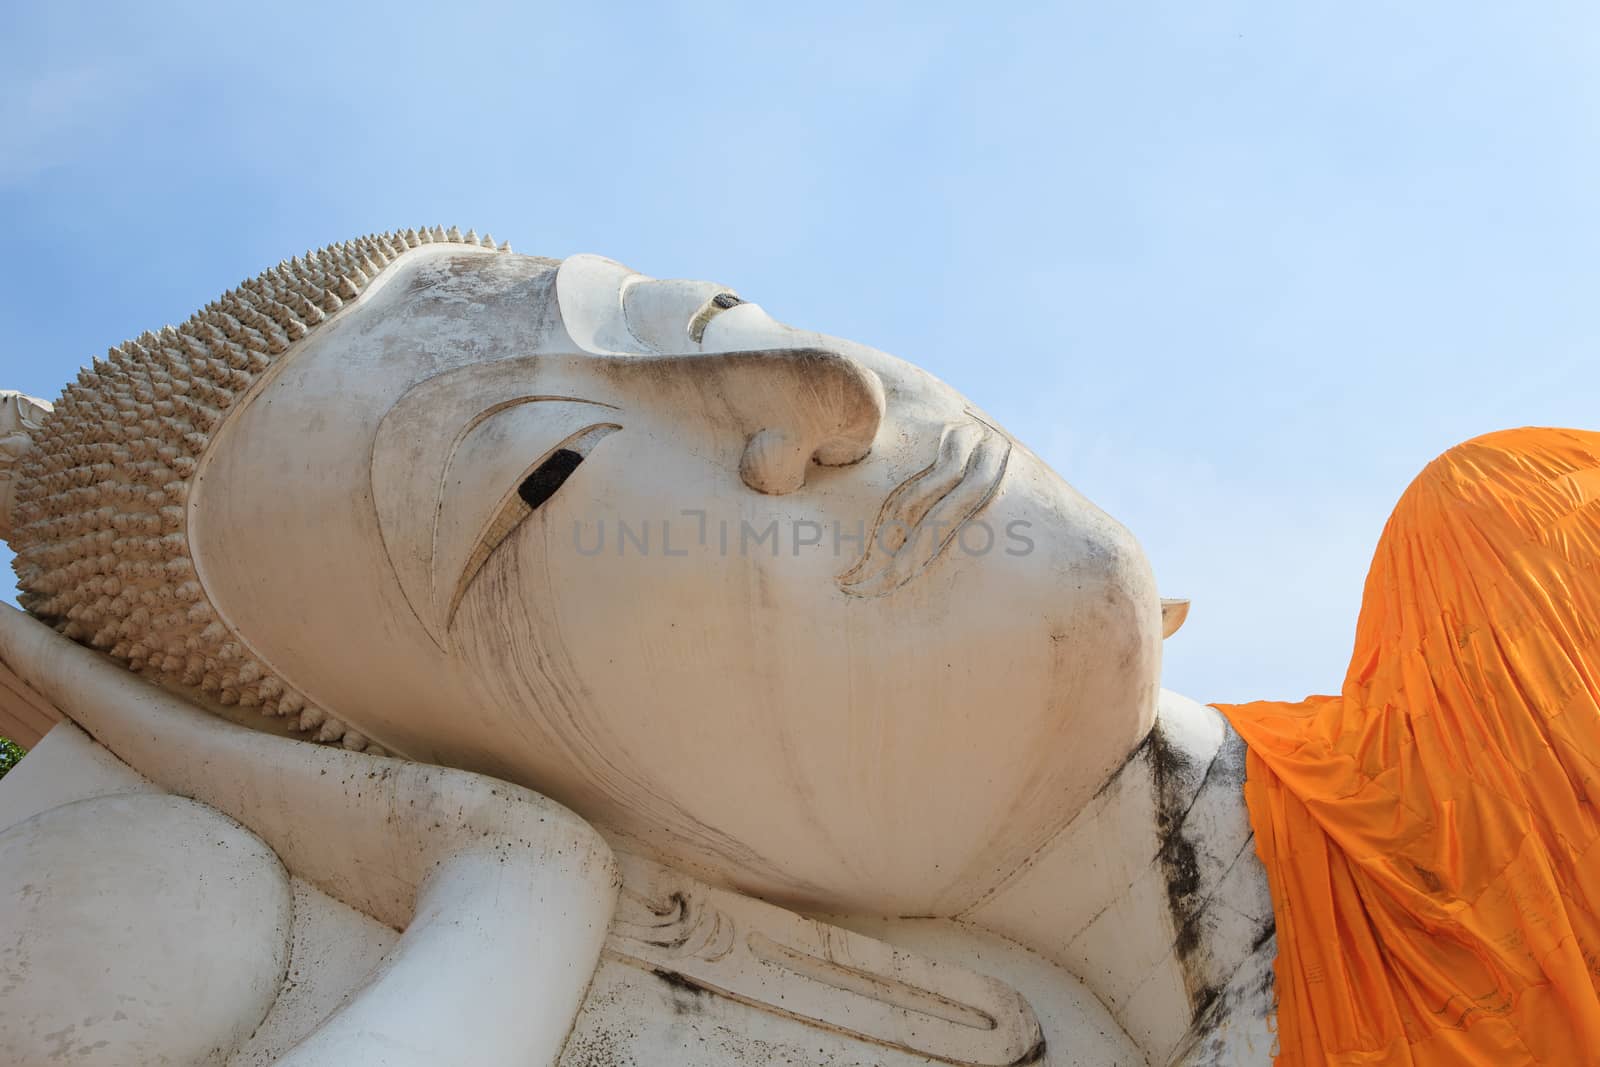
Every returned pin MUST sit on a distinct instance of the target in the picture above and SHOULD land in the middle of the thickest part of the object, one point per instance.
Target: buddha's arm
(499, 891)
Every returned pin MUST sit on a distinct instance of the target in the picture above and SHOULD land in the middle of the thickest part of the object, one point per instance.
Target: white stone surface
(845, 756)
(64, 767)
(712, 940)
(334, 950)
(1153, 895)
(136, 929)
(632, 1018)
(498, 890)
(25, 717)
(1238, 1027)
(356, 494)
(1078, 1029)
(629, 1014)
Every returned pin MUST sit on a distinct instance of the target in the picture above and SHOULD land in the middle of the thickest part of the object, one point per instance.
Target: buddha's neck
(1153, 895)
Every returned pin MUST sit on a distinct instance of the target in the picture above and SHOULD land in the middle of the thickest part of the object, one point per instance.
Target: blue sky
(1237, 270)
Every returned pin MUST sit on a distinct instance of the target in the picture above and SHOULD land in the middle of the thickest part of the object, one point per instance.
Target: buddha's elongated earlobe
(1174, 611)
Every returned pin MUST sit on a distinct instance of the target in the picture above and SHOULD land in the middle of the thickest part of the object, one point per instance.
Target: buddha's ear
(20, 418)
(1174, 611)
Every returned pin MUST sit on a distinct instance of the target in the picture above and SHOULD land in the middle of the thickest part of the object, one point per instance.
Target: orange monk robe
(1430, 834)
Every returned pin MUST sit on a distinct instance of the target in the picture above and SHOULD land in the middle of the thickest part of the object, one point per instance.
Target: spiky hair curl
(99, 525)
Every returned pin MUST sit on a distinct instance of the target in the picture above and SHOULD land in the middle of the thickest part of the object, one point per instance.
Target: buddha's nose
(795, 406)
(803, 405)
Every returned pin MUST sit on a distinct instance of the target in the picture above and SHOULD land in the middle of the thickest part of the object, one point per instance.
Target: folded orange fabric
(1430, 833)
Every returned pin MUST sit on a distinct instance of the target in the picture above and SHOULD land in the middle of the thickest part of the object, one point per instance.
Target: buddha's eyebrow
(448, 463)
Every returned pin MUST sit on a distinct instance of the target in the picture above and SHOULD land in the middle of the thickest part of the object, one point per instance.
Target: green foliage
(10, 753)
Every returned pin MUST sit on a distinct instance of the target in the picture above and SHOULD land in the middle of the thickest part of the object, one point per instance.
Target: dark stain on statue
(1178, 779)
(686, 992)
(1174, 772)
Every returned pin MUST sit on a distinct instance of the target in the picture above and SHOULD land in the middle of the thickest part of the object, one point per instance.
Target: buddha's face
(777, 605)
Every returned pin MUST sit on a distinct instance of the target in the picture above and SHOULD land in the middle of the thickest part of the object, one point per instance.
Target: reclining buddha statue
(434, 655)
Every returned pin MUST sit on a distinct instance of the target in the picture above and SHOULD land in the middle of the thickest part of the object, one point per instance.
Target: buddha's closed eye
(548, 475)
(458, 464)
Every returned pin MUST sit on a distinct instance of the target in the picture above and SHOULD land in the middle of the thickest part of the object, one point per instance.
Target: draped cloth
(1430, 833)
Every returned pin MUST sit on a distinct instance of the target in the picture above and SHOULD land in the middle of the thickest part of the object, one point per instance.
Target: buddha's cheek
(1008, 683)
(735, 704)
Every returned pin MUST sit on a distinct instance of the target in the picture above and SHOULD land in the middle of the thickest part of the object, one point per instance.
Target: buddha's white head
(776, 605)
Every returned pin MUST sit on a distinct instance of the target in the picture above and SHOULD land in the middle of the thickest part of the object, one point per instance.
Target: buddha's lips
(923, 514)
